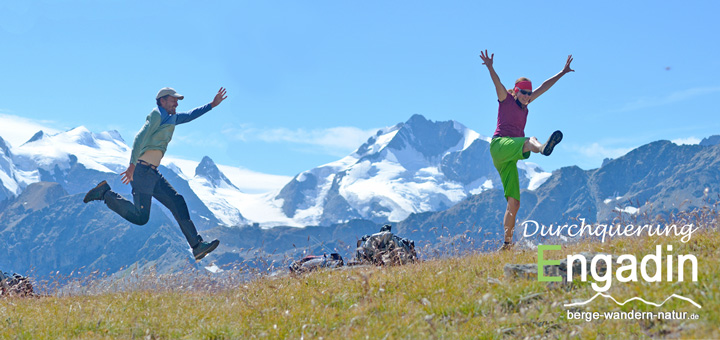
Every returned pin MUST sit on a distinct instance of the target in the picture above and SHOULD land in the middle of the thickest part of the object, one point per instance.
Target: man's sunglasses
(526, 92)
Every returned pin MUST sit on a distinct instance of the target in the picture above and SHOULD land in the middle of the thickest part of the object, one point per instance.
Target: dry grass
(451, 298)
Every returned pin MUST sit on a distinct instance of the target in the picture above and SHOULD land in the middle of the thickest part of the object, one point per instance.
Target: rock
(529, 298)
(506, 331)
(525, 271)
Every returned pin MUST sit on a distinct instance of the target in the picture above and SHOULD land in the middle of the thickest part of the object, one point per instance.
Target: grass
(450, 298)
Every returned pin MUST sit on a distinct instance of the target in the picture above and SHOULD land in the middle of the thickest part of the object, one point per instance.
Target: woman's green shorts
(505, 152)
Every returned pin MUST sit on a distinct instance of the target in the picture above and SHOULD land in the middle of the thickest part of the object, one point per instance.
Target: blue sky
(309, 81)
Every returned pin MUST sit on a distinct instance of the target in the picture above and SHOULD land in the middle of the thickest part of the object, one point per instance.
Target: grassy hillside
(455, 298)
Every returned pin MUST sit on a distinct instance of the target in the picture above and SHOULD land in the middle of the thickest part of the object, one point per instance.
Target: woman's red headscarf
(523, 85)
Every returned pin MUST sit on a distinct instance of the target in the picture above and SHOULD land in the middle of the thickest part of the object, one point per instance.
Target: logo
(625, 267)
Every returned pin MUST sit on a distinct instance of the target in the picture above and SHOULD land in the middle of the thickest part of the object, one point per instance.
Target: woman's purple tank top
(511, 119)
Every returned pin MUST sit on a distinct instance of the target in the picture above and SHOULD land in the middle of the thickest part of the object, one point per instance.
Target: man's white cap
(169, 91)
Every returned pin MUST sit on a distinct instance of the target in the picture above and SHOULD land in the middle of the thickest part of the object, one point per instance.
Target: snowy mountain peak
(105, 152)
(9, 186)
(79, 135)
(411, 167)
(209, 170)
(416, 166)
(377, 142)
(431, 139)
(4, 147)
(417, 119)
(110, 136)
(36, 137)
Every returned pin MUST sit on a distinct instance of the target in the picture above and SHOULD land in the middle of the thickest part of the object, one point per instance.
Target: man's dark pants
(148, 183)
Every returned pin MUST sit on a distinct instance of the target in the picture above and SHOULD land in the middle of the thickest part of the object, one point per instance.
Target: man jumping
(509, 143)
(143, 175)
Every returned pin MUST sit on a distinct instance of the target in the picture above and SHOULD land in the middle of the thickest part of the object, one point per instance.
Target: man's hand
(487, 58)
(219, 97)
(567, 68)
(127, 176)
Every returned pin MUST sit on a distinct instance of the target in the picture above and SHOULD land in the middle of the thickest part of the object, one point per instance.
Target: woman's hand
(486, 58)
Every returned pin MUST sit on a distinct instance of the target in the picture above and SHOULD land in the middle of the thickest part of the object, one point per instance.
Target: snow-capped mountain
(45, 155)
(8, 177)
(412, 167)
(78, 159)
(215, 189)
(104, 152)
(232, 190)
(416, 166)
(440, 169)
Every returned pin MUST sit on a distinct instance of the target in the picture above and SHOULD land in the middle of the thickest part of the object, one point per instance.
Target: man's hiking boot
(554, 139)
(506, 246)
(203, 248)
(97, 193)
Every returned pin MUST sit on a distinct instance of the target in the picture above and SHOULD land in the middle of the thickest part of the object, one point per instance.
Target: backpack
(384, 248)
(15, 285)
(313, 262)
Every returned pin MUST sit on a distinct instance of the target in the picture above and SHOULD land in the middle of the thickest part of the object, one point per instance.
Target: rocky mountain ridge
(45, 227)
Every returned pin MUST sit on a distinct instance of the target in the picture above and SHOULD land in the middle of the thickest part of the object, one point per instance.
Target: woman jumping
(509, 143)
